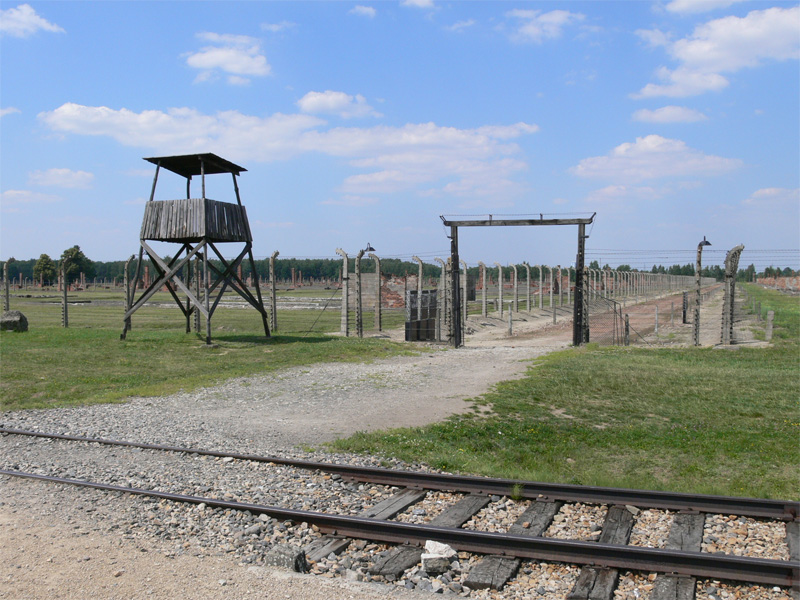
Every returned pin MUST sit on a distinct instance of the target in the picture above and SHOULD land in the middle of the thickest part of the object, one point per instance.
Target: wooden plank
(326, 545)
(673, 587)
(493, 572)
(512, 222)
(387, 509)
(617, 527)
(686, 532)
(595, 583)
(461, 512)
(394, 505)
(536, 519)
(396, 561)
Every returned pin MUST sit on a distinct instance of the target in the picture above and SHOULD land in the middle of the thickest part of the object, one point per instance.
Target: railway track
(526, 536)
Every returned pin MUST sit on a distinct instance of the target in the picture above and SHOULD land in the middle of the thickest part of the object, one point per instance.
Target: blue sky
(364, 121)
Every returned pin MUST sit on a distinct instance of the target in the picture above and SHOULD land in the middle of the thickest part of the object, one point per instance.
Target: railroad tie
(400, 558)
(596, 583)
(387, 509)
(493, 572)
(685, 534)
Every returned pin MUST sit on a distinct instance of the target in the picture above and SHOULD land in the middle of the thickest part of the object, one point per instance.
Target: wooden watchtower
(198, 225)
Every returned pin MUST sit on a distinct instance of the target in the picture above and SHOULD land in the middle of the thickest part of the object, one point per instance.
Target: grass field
(87, 363)
(691, 420)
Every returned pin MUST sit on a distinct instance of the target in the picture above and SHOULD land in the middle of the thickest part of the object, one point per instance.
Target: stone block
(287, 557)
(13, 320)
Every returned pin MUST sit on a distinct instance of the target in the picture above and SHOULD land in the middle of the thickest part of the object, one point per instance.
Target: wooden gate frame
(196, 224)
(579, 329)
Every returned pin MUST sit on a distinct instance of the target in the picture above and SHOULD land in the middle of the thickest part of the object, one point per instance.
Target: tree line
(46, 268)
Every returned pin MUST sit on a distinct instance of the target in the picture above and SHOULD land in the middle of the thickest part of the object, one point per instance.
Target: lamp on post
(696, 336)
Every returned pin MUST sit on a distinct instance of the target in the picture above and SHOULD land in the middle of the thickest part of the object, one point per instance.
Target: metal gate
(606, 322)
(421, 316)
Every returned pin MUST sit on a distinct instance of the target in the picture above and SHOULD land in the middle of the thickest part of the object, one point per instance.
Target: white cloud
(23, 22)
(698, 6)
(669, 114)
(10, 199)
(460, 26)
(653, 157)
(425, 156)
(65, 178)
(724, 45)
(622, 193)
(276, 27)
(769, 197)
(418, 3)
(8, 111)
(336, 103)
(363, 11)
(536, 26)
(239, 56)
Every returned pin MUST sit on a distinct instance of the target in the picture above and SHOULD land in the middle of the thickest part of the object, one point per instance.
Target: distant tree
(78, 263)
(594, 265)
(45, 268)
(624, 268)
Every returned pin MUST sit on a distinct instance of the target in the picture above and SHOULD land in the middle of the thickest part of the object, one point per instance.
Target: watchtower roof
(187, 165)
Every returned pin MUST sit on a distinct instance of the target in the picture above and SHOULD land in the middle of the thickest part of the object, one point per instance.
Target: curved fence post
(419, 288)
(344, 328)
(359, 304)
(378, 287)
(500, 288)
(273, 300)
(484, 310)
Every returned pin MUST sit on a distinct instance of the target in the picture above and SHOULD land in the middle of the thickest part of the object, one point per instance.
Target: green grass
(87, 363)
(714, 421)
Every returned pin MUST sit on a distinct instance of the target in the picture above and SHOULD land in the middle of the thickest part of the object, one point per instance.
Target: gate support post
(455, 305)
(580, 331)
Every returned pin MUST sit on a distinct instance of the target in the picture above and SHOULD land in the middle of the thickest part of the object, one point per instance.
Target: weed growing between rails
(686, 420)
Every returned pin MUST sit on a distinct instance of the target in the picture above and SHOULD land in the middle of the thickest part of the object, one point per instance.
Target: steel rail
(695, 564)
(784, 510)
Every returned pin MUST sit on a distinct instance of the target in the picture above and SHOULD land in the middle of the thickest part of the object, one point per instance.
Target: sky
(364, 122)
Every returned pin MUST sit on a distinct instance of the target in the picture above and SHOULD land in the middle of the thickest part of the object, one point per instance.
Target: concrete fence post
(128, 295)
(484, 310)
(516, 289)
(6, 288)
(441, 305)
(464, 299)
(770, 319)
(510, 327)
(656, 319)
(359, 303)
(379, 285)
(64, 305)
(552, 305)
(560, 287)
(273, 300)
(541, 287)
(344, 328)
(569, 285)
(500, 288)
(527, 286)
(419, 288)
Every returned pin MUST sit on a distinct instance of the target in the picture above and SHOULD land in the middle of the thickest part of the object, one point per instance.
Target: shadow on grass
(274, 340)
